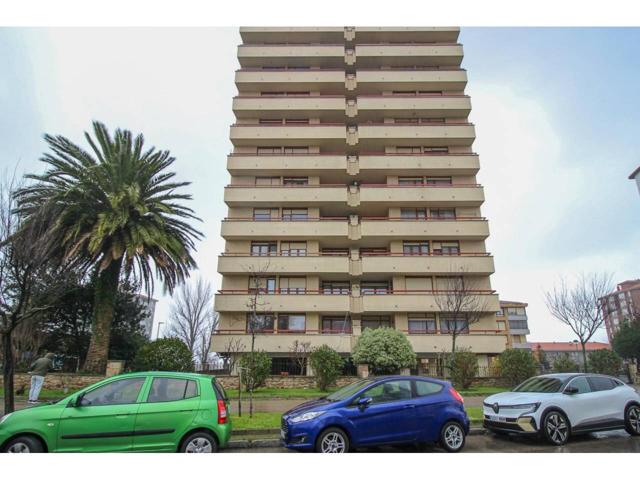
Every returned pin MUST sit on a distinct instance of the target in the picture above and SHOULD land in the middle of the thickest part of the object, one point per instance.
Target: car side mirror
(364, 402)
(570, 391)
(78, 401)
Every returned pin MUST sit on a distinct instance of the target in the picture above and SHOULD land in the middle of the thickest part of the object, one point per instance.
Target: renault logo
(496, 407)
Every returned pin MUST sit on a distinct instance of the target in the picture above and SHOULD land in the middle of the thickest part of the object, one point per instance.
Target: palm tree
(112, 210)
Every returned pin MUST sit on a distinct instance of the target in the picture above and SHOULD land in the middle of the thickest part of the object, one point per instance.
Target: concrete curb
(275, 442)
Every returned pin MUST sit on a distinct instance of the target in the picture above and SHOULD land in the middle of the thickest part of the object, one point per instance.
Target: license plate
(496, 418)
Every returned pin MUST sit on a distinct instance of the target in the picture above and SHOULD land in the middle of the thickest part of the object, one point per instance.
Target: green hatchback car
(139, 412)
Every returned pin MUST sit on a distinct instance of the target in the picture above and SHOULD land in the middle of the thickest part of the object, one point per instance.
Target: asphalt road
(617, 441)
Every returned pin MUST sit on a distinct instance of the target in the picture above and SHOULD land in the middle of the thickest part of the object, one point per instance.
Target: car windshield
(540, 385)
(348, 391)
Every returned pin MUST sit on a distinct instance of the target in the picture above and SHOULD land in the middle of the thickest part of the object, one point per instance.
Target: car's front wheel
(452, 437)
(556, 427)
(25, 444)
(632, 420)
(199, 442)
(332, 440)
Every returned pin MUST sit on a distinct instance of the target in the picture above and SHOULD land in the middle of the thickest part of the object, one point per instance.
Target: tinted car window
(389, 391)
(119, 392)
(171, 389)
(540, 385)
(581, 383)
(221, 394)
(601, 383)
(427, 388)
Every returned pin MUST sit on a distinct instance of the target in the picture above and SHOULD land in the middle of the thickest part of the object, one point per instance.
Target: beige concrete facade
(353, 192)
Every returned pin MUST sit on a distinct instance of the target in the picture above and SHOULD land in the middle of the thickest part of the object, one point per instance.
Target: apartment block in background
(622, 304)
(353, 193)
(513, 315)
(636, 176)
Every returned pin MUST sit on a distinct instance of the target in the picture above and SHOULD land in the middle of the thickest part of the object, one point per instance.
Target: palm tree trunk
(103, 308)
(7, 373)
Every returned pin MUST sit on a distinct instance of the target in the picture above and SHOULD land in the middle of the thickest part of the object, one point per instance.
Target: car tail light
(222, 412)
(454, 393)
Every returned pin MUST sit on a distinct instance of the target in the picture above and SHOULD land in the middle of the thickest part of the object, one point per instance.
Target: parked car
(142, 412)
(379, 411)
(557, 406)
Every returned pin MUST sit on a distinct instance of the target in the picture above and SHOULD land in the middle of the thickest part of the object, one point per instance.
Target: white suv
(558, 405)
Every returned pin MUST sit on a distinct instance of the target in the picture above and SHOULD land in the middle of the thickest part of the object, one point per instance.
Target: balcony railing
(369, 291)
(362, 185)
(333, 219)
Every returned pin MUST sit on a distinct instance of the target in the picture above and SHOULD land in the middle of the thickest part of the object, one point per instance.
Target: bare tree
(231, 355)
(461, 303)
(299, 353)
(578, 306)
(24, 253)
(204, 342)
(192, 316)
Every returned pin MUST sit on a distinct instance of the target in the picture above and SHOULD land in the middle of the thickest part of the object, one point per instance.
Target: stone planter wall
(57, 381)
(276, 381)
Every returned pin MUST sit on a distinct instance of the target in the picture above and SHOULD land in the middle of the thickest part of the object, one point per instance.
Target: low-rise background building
(554, 350)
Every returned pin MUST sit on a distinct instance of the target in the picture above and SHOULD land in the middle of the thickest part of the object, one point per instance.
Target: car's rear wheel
(632, 420)
(199, 442)
(332, 440)
(24, 444)
(452, 437)
(556, 428)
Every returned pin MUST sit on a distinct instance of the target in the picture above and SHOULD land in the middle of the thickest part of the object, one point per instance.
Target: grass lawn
(482, 391)
(475, 414)
(280, 393)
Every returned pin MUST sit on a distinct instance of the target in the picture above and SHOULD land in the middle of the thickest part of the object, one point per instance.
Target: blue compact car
(379, 411)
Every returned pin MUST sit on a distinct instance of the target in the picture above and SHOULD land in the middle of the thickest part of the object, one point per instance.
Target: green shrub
(605, 362)
(164, 355)
(564, 364)
(626, 341)
(463, 367)
(254, 369)
(385, 350)
(516, 365)
(327, 366)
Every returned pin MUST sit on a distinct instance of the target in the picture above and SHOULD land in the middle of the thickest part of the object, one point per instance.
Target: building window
(413, 213)
(518, 325)
(335, 252)
(408, 150)
(336, 288)
(295, 181)
(267, 181)
(438, 180)
(263, 249)
(446, 248)
(294, 214)
(436, 149)
(372, 251)
(415, 248)
(270, 121)
(500, 313)
(450, 323)
(262, 285)
(269, 150)
(265, 214)
(296, 150)
(296, 121)
(406, 121)
(336, 325)
(410, 181)
(375, 288)
(442, 213)
(260, 322)
(376, 321)
(291, 322)
(422, 323)
(293, 249)
(293, 285)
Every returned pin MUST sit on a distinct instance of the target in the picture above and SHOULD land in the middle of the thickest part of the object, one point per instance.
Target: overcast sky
(557, 116)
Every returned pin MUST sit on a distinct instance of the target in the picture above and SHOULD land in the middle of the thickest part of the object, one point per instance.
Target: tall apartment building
(635, 175)
(353, 201)
(513, 315)
(621, 305)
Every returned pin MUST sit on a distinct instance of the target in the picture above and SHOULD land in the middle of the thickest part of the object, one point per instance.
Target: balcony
(480, 341)
(462, 228)
(281, 342)
(417, 195)
(280, 80)
(371, 81)
(277, 164)
(294, 195)
(326, 228)
(310, 263)
(375, 136)
(403, 34)
(421, 164)
(468, 263)
(292, 34)
(312, 301)
(418, 54)
(421, 301)
(325, 107)
(330, 136)
(291, 55)
(399, 106)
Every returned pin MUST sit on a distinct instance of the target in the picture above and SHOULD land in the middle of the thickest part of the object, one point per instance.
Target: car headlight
(305, 417)
(4, 418)
(529, 407)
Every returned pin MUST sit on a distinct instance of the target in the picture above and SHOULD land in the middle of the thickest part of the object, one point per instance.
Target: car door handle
(123, 415)
(409, 406)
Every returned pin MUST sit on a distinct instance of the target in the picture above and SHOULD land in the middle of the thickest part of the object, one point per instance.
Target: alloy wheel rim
(19, 448)
(557, 428)
(199, 445)
(333, 443)
(453, 437)
(634, 419)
